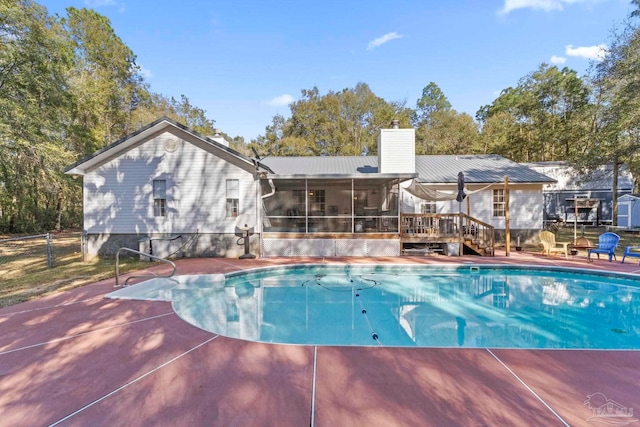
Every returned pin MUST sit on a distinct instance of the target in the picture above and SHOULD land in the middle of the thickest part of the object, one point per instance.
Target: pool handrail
(139, 276)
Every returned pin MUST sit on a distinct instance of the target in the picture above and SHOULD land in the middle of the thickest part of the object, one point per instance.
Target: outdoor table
(581, 244)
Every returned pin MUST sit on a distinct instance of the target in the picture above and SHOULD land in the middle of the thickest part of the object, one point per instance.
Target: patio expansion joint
(313, 387)
(521, 381)
(49, 307)
(135, 380)
(84, 333)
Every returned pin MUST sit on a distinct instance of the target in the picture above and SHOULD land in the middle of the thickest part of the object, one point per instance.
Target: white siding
(397, 151)
(525, 206)
(118, 195)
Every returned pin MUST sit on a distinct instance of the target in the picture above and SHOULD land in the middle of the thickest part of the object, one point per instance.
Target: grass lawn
(566, 233)
(24, 273)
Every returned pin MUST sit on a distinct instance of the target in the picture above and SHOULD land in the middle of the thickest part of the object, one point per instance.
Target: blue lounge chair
(607, 243)
(631, 251)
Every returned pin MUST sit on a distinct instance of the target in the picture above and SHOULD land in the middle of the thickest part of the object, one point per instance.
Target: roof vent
(395, 124)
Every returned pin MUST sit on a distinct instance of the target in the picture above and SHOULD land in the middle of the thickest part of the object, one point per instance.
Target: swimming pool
(423, 306)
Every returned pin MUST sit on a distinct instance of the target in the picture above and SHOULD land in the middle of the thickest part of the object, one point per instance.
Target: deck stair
(427, 230)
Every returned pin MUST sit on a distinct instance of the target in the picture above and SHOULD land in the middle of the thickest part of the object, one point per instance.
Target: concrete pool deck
(78, 359)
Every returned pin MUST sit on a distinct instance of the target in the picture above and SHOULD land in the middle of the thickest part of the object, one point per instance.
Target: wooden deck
(431, 230)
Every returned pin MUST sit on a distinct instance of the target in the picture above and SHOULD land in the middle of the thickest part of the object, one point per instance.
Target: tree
(448, 133)
(68, 86)
(106, 82)
(615, 123)
(439, 128)
(275, 143)
(34, 61)
(548, 111)
(338, 123)
(433, 100)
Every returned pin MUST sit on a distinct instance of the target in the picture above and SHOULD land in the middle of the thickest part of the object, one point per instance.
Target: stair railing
(141, 276)
(478, 232)
(448, 226)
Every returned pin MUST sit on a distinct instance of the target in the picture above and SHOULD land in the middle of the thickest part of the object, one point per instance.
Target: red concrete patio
(78, 359)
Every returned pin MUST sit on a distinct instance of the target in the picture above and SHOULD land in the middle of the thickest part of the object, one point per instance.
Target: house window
(299, 203)
(428, 208)
(498, 203)
(316, 202)
(159, 197)
(233, 197)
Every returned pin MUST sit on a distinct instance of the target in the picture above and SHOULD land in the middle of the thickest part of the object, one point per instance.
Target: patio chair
(631, 251)
(607, 243)
(550, 246)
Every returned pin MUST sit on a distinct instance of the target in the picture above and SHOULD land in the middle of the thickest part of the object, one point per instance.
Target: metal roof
(484, 168)
(569, 179)
(322, 165)
(432, 169)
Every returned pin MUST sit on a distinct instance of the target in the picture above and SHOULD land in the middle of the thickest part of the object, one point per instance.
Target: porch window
(316, 202)
(498, 203)
(159, 197)
(233, 198)
(299, 203)
(428, 208)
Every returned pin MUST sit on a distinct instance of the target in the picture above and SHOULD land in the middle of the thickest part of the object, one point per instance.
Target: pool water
(425, 306)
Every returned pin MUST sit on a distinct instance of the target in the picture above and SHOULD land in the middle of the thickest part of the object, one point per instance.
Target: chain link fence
(38, 247)
(39, 252)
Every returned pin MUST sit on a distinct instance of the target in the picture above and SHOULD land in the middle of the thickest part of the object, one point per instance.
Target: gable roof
(124, 144)
(629, 196)
(440, 169)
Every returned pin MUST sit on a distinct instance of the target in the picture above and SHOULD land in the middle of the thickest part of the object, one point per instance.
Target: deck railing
(451, 227)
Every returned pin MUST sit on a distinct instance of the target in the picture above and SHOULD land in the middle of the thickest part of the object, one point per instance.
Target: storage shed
(629, 211)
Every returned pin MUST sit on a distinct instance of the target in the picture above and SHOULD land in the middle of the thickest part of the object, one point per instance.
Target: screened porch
(331, 206)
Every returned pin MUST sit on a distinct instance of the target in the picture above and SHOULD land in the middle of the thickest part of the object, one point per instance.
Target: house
(166, 189)
(587, 197)
(165, 181)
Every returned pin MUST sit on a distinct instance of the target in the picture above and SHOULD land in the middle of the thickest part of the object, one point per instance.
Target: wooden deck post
(507, 229)
(468, 206)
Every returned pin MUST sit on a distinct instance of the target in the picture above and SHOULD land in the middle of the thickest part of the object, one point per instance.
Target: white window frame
(499, 204)
(429, 207)
(159, 197)
(233, 198)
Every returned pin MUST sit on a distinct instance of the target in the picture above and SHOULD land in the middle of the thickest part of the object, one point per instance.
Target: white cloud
(557, 60)
(280, 101)
(384, 39)
(546, 5)
(145, 72)
(597, 52)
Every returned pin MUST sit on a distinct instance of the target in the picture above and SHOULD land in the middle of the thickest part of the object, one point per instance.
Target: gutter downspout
(261, 207)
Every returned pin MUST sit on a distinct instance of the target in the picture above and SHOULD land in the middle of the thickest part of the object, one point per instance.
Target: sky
(243, 62)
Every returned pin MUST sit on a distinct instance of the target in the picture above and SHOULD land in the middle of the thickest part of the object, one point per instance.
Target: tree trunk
(58, 225)
(614, 192)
